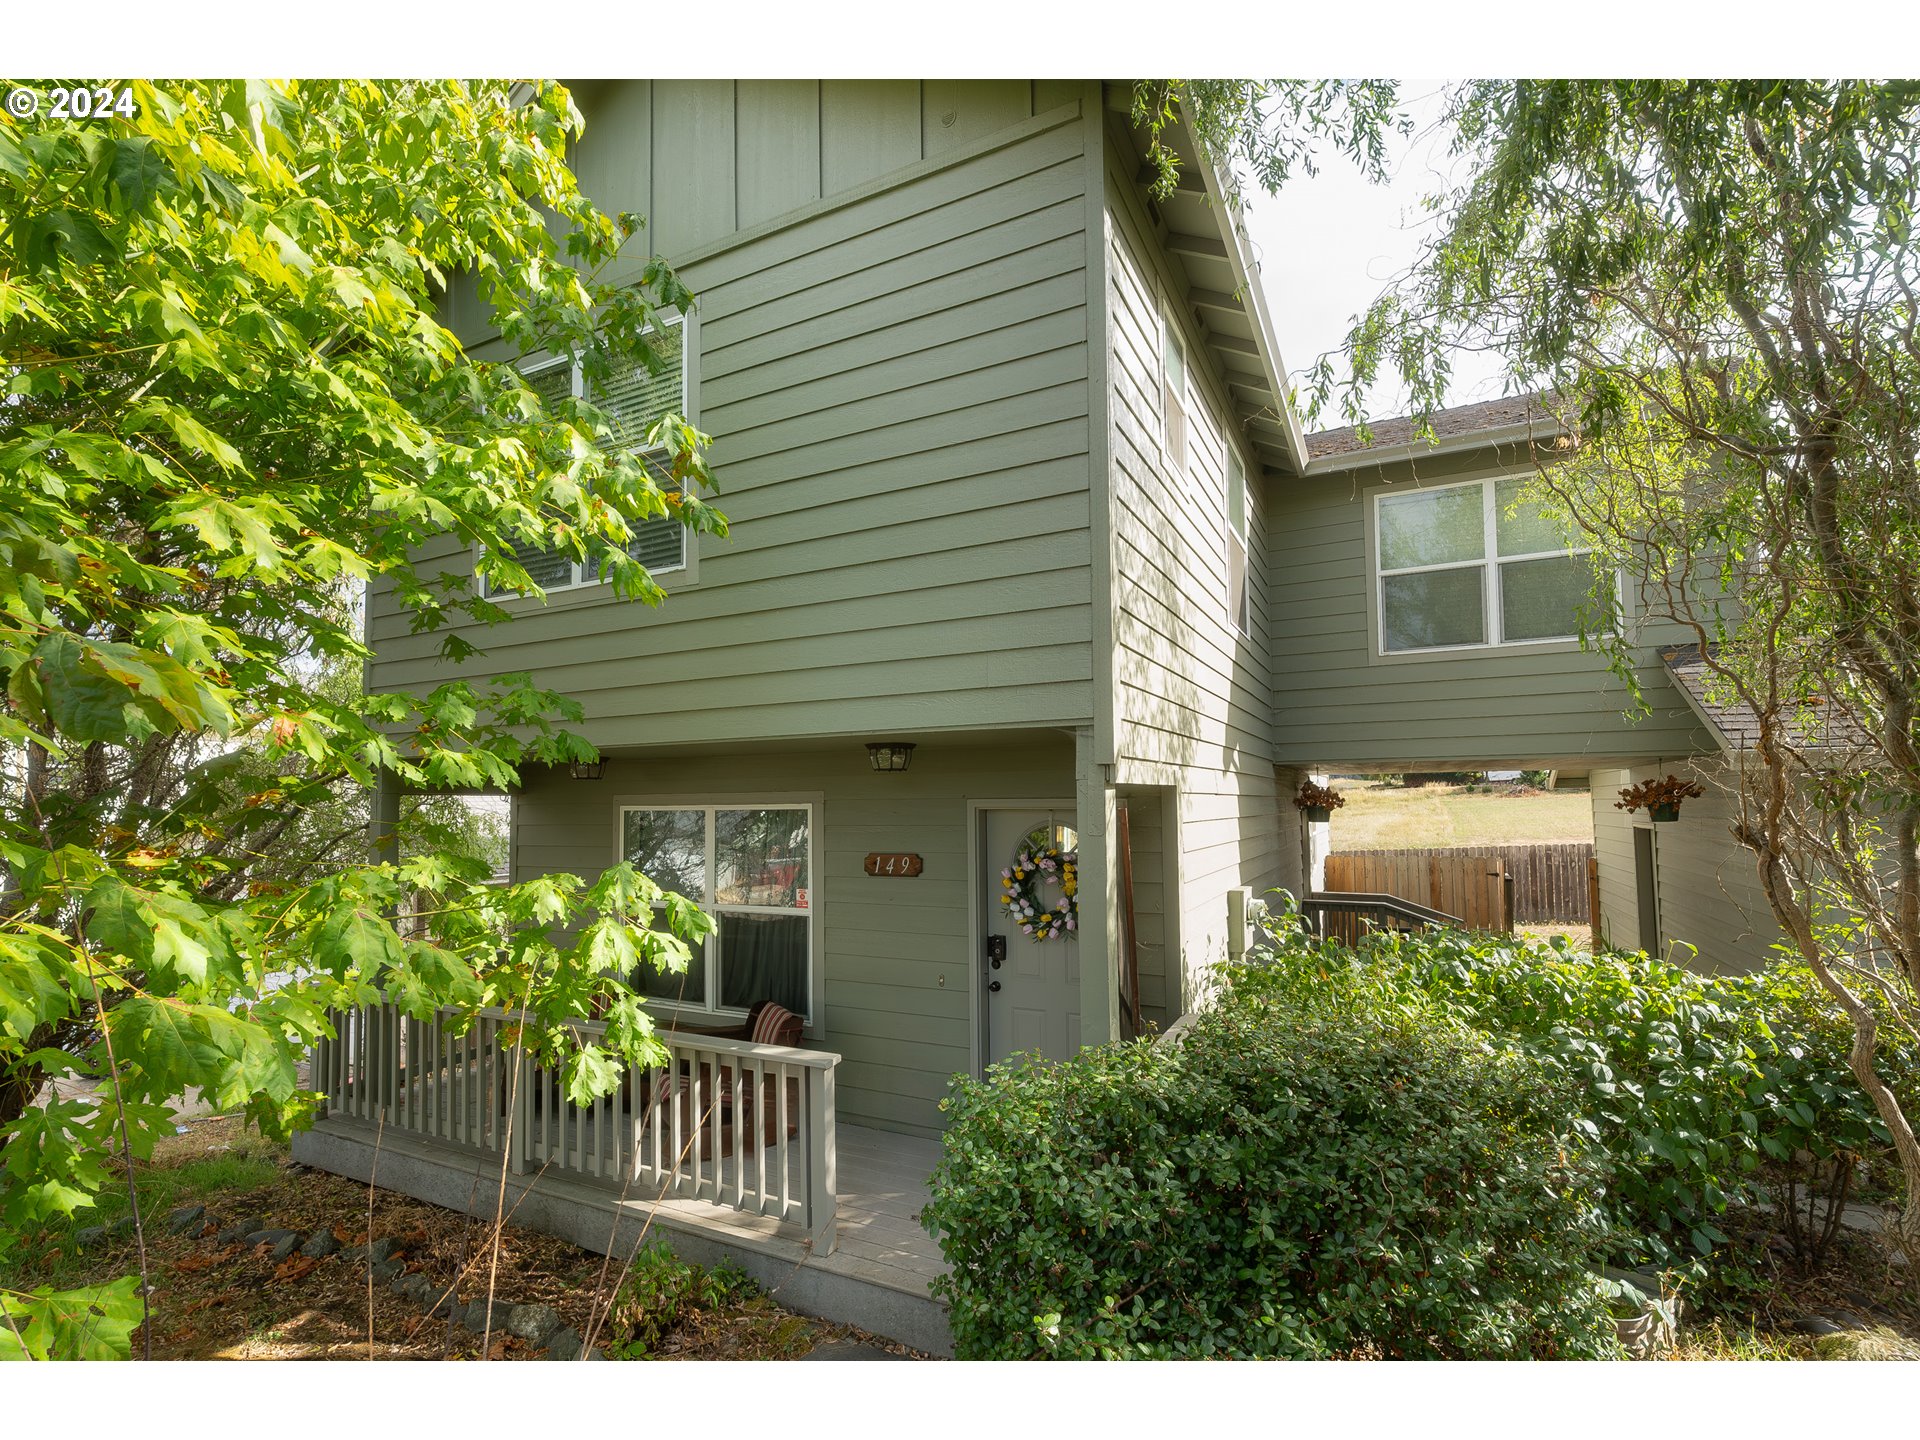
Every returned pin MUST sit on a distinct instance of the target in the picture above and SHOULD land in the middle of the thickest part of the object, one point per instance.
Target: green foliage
(1712, 284)
(1275, 1184)
(1270, 128)
(1690, 1089)
(228, 405)
(661, 1292)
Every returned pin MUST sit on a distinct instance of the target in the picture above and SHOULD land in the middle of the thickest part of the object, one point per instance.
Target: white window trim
(815, 960)
(1240, 620)
(1489, 562)
(1170, 333)
(686, 572)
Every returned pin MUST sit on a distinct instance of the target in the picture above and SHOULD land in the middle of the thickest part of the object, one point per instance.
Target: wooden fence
(1550, 882)
(1471, 887)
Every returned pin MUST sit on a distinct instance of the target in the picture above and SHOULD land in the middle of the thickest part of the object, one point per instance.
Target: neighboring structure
(1426, 622)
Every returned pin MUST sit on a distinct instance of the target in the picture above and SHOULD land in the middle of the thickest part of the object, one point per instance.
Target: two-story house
(1027, 548)
(993, 431)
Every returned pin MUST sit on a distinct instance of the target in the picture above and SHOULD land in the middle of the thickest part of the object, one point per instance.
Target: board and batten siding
(899, 974)
(1191, 695)
(1337, 703)
(896, 381)
(1709, 894)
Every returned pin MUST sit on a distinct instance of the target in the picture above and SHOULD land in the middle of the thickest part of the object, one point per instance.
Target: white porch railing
(746, 1127)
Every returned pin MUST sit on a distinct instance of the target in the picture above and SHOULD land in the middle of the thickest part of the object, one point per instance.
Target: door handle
(993, 985)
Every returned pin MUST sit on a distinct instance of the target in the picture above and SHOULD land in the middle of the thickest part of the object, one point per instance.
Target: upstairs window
(1239, 593)
(635, 399)
(1173, 396)
(1460, 566)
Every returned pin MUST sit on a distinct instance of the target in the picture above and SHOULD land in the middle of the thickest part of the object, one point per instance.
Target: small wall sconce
(890, 754)
(588, 769)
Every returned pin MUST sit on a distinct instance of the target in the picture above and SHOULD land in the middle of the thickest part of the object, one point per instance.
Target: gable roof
(1199, 227)
(1734, 723)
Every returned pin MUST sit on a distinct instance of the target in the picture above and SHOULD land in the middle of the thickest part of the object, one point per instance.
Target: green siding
(1192, 697)
(897, 390)
(1336, 704)
(1709, 891)
(898, 967)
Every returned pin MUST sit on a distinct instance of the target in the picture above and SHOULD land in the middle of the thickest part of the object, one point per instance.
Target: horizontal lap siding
(1709, 891)
(897, 962)
(1192, 696)
(897, 390)
(1334, 704)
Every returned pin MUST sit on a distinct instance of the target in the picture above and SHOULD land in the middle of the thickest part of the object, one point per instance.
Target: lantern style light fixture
(588, 769)
(890, 754)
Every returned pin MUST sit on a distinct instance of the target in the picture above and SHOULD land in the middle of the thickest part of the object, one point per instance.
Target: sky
(1329, 244)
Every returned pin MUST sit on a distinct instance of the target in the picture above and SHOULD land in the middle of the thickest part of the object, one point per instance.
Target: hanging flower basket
(1319, 801)
(1660, 797)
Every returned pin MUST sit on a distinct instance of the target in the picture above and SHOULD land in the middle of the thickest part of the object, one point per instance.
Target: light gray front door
(1033, 994)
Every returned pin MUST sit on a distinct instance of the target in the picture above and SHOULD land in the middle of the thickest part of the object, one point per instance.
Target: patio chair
(767, 1023)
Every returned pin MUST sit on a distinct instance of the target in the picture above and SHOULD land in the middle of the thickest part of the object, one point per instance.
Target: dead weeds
(233, 1302)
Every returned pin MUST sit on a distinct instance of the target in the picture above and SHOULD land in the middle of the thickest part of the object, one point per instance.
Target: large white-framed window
(751, 866)
(636, 399)
(1239, 591)
(1173, 395)
(1472, 565)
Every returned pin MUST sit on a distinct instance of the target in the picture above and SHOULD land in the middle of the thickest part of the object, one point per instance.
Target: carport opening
(1438, 836)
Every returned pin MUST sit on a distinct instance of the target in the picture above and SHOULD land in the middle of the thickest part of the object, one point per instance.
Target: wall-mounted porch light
(890, 754)
(587, 769)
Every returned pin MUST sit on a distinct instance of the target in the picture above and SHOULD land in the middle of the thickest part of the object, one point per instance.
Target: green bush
(660, 1292)
(1304, 1175)
(1693, 1089)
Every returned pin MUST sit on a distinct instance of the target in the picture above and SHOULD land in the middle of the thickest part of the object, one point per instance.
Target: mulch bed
(214, 1301)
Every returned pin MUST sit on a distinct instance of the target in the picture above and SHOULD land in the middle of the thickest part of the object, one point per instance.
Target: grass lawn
(1382, 817)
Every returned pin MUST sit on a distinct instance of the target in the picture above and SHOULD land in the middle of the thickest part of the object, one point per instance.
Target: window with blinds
(636, 400)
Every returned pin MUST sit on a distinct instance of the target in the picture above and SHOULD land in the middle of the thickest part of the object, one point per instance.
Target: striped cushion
(776, 1021)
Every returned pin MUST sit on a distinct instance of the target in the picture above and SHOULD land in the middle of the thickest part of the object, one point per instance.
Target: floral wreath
(1019, 885)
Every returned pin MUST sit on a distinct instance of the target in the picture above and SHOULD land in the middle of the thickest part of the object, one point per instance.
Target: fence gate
(1474, 887)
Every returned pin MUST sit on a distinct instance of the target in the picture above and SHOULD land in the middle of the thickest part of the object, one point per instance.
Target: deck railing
(746, 1127)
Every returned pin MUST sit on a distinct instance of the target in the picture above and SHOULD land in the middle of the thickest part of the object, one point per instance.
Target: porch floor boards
(882, 1187)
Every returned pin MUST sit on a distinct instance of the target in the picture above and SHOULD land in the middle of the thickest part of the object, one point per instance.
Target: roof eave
(1225, 206)
(1489, 439)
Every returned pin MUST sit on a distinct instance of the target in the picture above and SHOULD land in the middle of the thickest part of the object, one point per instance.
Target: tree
(1716, 284)
(228, 404)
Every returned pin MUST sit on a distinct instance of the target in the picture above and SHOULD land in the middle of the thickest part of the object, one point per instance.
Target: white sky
(1329, 244)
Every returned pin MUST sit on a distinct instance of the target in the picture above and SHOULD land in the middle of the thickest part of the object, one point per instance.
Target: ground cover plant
(1273, 1185)
(1694, 1091)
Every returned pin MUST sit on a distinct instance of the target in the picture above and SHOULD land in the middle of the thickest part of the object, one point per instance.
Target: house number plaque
(880, 863)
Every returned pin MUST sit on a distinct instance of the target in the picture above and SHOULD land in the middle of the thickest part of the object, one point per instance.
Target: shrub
(1275, 1185)
(660, 1292)
(1694, 1090)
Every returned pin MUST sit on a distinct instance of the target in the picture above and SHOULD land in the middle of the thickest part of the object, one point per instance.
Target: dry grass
(1382, 817)
(232, 1303)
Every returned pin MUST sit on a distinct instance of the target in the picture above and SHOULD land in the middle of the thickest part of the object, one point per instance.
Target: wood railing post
(522, 1113)
(823, 1177)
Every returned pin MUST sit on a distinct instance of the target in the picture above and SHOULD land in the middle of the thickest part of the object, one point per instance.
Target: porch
(728, 1150)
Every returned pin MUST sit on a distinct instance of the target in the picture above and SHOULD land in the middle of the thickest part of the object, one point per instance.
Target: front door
(1032, 985)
